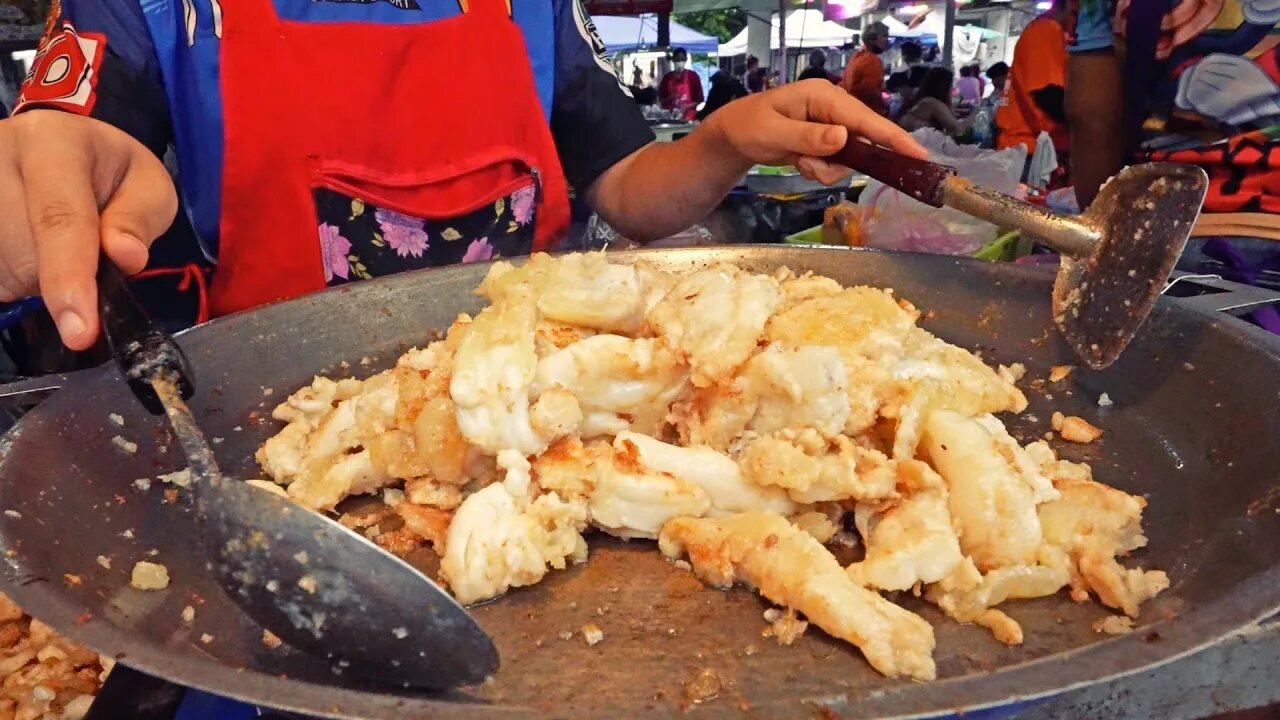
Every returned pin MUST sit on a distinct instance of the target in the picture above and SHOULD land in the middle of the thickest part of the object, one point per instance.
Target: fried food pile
(742, 420)
(45, 676)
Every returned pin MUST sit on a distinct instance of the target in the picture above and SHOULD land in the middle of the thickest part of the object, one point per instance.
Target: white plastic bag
(894, 221)
(1043, 162)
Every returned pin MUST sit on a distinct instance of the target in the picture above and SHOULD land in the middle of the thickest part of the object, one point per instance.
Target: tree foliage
(723, 24)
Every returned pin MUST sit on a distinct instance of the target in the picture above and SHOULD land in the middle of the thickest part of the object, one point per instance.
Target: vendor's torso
(323, 141)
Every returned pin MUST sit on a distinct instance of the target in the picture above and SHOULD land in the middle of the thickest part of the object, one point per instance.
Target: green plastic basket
(1006, 248)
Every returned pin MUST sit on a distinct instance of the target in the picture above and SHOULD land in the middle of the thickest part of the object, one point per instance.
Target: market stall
(621, 33)
(806, 29)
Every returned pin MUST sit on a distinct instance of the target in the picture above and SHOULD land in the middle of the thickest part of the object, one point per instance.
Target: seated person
(968, 85)
(931, 106)
(899, 91)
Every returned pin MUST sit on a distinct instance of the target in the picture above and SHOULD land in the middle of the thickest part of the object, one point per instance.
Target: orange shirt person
(1035, 97)
(864, 75)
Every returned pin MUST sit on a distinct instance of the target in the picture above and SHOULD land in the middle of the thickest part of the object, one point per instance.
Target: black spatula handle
(920, 179)
(141, 348)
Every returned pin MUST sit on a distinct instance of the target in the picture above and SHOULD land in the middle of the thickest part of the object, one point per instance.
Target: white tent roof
(621, 33)
(805, 29)
(899, 29)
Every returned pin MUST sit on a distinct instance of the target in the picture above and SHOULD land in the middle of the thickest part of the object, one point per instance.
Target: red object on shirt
(681, 90)
(352, 128)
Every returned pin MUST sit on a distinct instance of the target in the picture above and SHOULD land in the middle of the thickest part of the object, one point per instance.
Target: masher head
(1143, 216)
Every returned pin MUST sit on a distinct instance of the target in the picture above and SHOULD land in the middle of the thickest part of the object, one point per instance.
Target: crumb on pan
(784, 625)
(592, 633)
(206, 638)
(1114, 625)
(188, 614)
(270, 640)
(143, 484)
(126, 445)
(1056, 420)
(181, 478)
(1058, 373)
(149, 576)
(116, 419)
(1012, 373)
(104, 561)
(1078, 430)
(704, 686)
(1104, 400)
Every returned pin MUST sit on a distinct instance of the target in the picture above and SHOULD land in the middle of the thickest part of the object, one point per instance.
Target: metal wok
(1193, 427)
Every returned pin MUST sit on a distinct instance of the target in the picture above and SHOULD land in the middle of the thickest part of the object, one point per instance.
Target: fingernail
(130, 251)
(70, 324)
(834, 135)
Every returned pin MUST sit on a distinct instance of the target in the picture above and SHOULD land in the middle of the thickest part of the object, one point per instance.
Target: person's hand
(70, 185)
(800, 124)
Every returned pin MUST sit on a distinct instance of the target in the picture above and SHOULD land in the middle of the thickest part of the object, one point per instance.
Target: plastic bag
(894, 221)
(1043, 162)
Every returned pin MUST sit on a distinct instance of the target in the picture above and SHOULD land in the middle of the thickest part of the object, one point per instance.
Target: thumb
(140, 210)
(798, 137)
(830, 141)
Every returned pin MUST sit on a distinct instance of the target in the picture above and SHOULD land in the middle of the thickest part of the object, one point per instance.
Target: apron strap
(190, 274)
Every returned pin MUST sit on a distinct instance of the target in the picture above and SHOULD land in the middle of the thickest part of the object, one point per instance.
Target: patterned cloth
(359, 241)
(1215, 98)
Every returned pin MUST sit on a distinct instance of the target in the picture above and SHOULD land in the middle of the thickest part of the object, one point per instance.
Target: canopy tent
(899, 29)
(621, 33)
(805, 29)
(983, 32)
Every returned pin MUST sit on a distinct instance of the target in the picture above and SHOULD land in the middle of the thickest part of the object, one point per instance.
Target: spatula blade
(1144, 216)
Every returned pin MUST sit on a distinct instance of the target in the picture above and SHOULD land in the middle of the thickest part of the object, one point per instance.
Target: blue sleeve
(1092, 26)
(594, 119)
(98, 60)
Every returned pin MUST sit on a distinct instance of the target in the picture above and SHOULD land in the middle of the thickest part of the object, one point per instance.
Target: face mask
(679, 65)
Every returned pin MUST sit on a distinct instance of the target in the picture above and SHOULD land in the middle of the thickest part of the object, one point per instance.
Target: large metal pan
(1193, 428)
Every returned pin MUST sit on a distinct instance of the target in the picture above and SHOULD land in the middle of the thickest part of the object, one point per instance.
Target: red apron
(401, 116)
(679, 93)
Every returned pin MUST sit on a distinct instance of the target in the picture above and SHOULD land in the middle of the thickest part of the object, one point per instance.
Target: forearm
(951, 124)
(1051, 99)
(664, 188)
(1096, 114)
(661, 189)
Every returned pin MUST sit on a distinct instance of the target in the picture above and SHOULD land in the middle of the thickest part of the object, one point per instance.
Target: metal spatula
(315, 584)
(1117, 255)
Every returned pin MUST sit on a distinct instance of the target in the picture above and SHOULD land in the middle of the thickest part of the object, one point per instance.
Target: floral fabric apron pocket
(369, 234)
